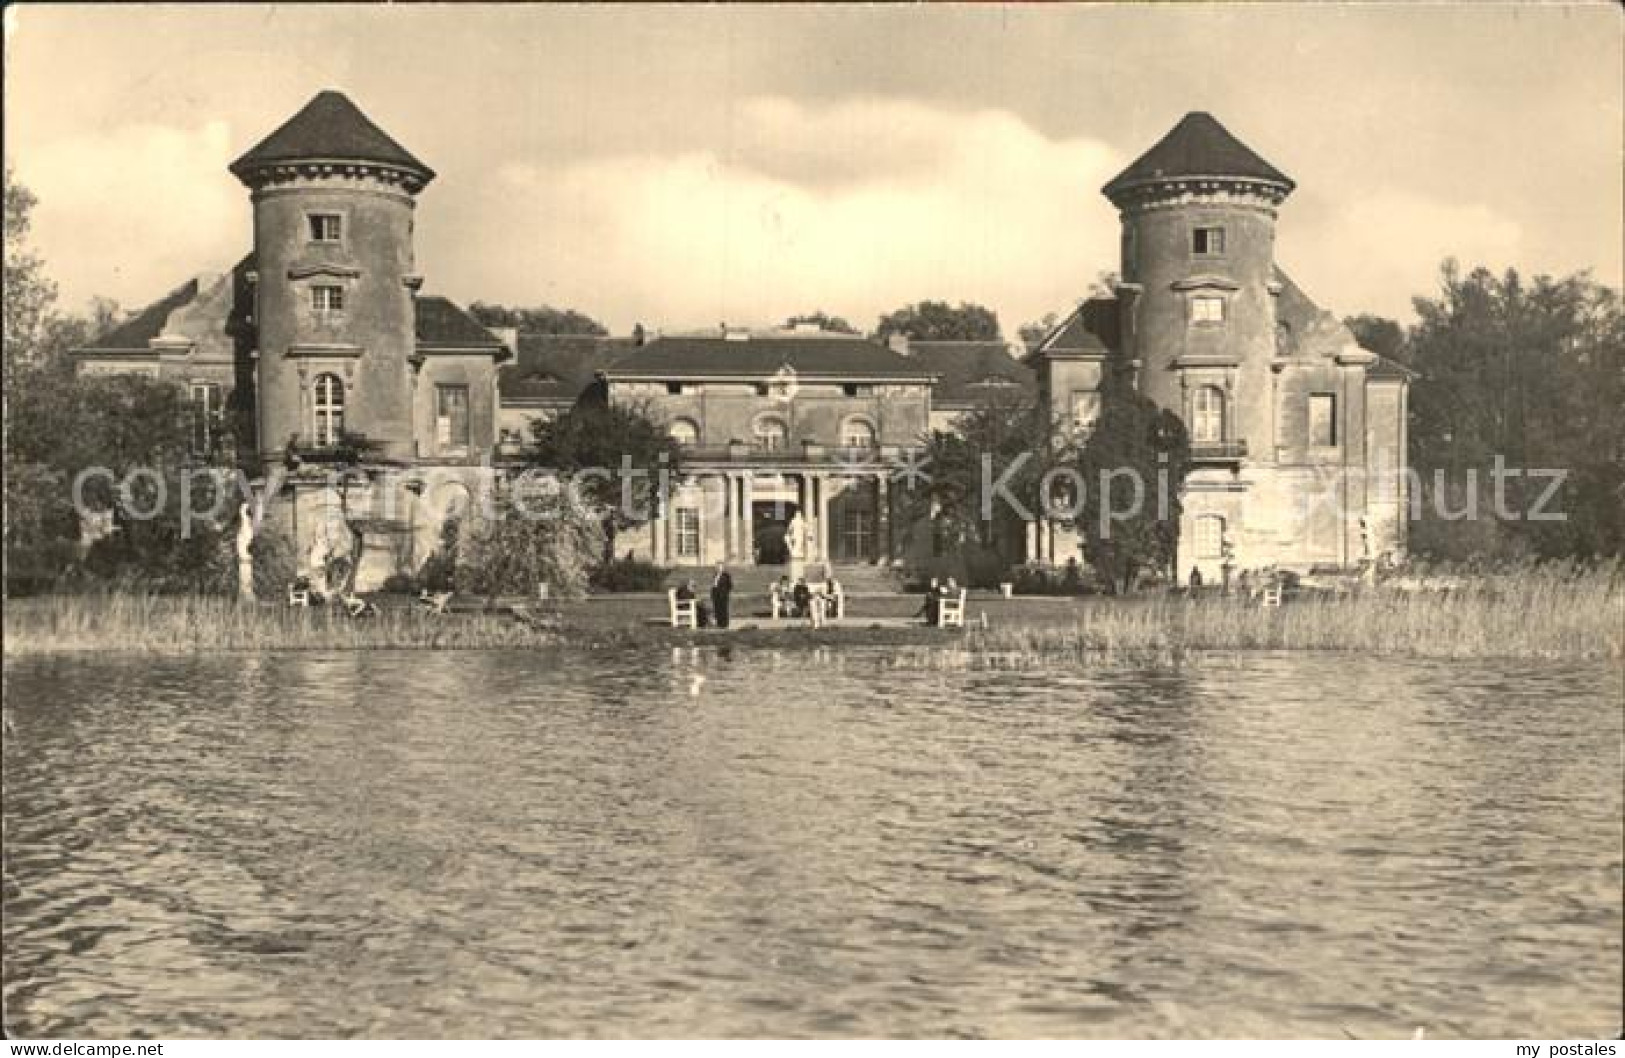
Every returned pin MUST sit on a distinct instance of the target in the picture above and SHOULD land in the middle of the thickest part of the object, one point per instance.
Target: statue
(245, 556)
(795, 543)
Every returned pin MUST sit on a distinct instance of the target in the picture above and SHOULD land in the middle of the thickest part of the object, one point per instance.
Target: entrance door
(769, 520)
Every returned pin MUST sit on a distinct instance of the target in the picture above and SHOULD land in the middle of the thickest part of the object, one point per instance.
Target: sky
(687, 166)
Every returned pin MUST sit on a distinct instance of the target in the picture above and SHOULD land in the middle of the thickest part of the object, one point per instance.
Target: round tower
(333, 200)
(1198, 282)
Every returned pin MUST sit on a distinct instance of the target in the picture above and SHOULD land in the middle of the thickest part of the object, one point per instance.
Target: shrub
(628, 575)
(512, 551)
(275, 562)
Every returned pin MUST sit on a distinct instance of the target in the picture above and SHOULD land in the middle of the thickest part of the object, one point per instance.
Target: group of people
(935, 592)
(799, 600)
(722, 589)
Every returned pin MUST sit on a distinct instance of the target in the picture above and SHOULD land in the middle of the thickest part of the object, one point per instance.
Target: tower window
(326, 227)
(1207, 415)
(1207, 308)
(327, 298)
(328, 406)
(1207, 242)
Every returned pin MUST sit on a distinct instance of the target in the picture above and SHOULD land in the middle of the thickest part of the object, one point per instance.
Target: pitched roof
(1389, 370)
(442, 324)
(822, 356)
(138, 330)
(329, 128)
(1090, 329)
(558, 368)
(971, 372)
(1197, 146)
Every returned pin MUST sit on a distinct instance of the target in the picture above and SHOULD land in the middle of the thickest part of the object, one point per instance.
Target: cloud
(1376, 252)
(855, 208)
(136, 211)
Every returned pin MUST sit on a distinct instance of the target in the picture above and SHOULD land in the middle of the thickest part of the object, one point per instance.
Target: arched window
(857, 433)
(1207, 415)
(685, 432)
(1209, 536)
(329, 410)
(771, 433)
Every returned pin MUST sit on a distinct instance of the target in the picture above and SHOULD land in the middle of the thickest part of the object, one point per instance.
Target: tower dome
(1198, 153)
(331, 131)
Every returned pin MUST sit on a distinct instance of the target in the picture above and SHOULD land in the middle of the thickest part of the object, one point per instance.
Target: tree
(939, 321)
(516, 547)
(541, 319)
(1532, 374)
(824, 322)
(30, 295)
(1133, 466)
(620, 458)
(1039, 329)
(994, 455)
(1381, 335)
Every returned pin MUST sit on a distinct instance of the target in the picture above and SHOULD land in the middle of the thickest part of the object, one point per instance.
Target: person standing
(722, 587)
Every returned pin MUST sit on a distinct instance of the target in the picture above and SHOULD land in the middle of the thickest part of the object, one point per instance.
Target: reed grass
(1546, 611)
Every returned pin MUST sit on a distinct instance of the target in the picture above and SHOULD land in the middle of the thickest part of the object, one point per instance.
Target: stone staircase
(855, 579)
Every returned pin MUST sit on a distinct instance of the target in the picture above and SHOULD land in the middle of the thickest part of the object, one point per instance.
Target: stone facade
(793, 438)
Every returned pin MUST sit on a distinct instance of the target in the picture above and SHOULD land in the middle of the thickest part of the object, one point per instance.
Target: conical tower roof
(1197, 147)
(330, 128)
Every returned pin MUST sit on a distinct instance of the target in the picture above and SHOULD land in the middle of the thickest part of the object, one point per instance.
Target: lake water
(808, 844)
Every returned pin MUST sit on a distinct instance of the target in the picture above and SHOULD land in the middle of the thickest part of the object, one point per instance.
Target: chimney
(898, 343)
(638, 335)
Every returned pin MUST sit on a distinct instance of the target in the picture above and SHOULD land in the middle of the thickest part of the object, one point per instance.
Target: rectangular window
(206, 417)
(326, 227)
(327, 298)
(1085, 409)
(1209, 536)
(1207, 308)
(857, 389)
(451, 417)
(1322, 420)
(857, 535)
(686, 523)
(1207, 242)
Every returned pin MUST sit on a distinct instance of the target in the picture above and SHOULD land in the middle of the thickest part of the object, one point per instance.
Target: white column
(823, 518)
(657, 534)
(883, 553)
(747, 503)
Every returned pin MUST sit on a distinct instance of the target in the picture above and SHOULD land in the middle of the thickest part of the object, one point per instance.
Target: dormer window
(326, 227)
(327, 299)
(1207, 309)
(1207, 242)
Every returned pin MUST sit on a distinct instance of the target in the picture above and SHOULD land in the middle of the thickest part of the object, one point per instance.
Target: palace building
(322, 337)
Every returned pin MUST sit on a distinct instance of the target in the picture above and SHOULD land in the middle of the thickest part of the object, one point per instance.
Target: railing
(817, 453)
(1218, 451)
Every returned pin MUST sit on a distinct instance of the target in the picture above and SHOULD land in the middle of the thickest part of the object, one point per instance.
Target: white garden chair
(951, 611)
(685, 613)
